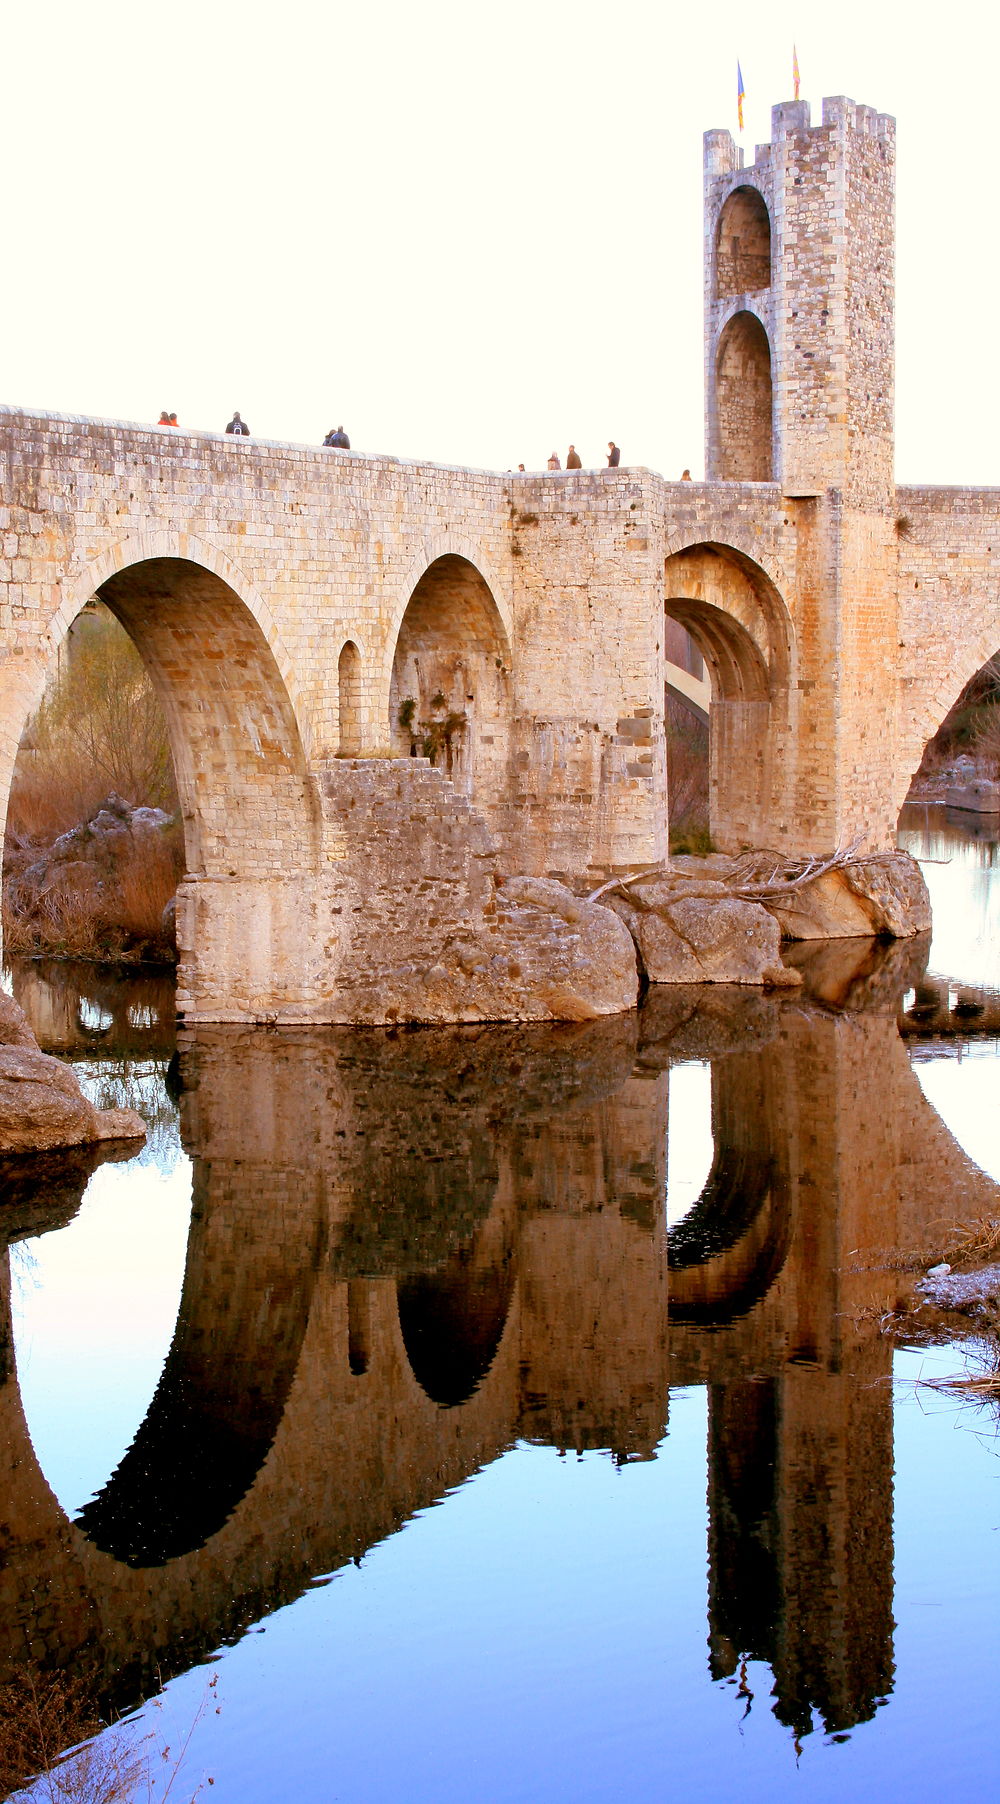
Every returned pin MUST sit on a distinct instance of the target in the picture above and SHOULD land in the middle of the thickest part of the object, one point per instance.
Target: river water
(505, 1414)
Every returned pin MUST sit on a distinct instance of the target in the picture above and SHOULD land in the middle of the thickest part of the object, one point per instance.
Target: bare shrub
(111, 908)
(986, 739)
(39, 1719)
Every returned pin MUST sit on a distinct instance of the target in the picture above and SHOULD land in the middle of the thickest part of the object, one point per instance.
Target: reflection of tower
(800, 1498)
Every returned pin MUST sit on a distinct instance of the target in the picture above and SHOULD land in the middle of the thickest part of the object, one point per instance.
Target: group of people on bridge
(335, 440)
(574, 461)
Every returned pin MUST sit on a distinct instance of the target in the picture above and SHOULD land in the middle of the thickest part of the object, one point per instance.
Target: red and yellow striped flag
(741, 95)
(795, 70)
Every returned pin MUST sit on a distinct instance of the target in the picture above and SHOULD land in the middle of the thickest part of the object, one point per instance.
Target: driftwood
(747, 881)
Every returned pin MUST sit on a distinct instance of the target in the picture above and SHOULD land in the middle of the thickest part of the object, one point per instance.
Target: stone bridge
(424, 1313)
(317, 622)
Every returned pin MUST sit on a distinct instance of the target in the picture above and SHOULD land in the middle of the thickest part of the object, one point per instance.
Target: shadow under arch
(223, 1389)
(450, 688)
(739, 623)
(743, 244)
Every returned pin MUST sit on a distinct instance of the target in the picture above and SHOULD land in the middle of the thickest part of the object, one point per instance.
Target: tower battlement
(799, 303)
(723, 156)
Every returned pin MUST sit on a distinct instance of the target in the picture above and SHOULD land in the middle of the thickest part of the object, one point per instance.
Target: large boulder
(697, 933)
(884, 895)
(41, 1103)
(539, 954)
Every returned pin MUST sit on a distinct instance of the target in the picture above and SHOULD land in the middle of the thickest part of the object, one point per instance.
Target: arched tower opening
(449, 696)
(349, 700)
(730, 613)
(743, 245)
(743, 403)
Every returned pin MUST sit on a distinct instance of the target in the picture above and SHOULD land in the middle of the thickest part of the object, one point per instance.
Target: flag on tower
(795, 70)
(741, 94)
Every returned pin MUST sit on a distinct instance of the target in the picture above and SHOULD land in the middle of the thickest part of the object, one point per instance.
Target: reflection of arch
(743, 244)
(449, 695)
(743, 402)
(349, 699)
(728, 1250)
(221, 1394)
(737, 619)
(452, 1320)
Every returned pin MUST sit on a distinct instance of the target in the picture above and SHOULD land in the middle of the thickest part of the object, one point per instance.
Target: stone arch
(450, 687)
(921, 719)
(349, 700)
(743, 412)
(743, 244)
(238, 755)
(736, 617)
(212, 652)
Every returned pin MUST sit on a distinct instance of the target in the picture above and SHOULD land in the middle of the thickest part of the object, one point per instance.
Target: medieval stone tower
(799, 305)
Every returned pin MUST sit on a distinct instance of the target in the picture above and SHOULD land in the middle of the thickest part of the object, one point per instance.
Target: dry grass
(39, 1719)
(974, 1242)
(111, 908)
(56, 1749)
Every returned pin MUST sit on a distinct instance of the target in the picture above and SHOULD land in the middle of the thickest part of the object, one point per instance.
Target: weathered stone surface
(542, 956)
(893, 888)
(701, 938)
(41, 1103)
(882, 896)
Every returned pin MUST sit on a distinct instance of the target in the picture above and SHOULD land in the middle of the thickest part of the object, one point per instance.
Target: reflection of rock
(700, 934)
(978, 796)
(42, 1191)
(859, 974)
(41, 1103)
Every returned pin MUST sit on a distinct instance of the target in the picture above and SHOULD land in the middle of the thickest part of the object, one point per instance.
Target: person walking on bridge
(614, 455)
(238, 426)
(573, 459)
(337, 441)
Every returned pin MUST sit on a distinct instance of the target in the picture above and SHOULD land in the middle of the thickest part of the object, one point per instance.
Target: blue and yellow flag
(741, 95)
(795, 70)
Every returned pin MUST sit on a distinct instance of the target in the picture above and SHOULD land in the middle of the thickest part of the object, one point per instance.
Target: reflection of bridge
(460, 1238)
(312, 620)
(80, 1010)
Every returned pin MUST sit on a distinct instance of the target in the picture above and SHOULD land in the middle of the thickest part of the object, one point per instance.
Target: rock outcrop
(689, 932)
(41, 1104)
(722, 920)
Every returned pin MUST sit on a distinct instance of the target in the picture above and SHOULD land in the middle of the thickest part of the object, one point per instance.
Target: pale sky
(470, 232)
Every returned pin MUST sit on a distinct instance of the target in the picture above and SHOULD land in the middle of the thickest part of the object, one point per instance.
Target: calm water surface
(503, 1414)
